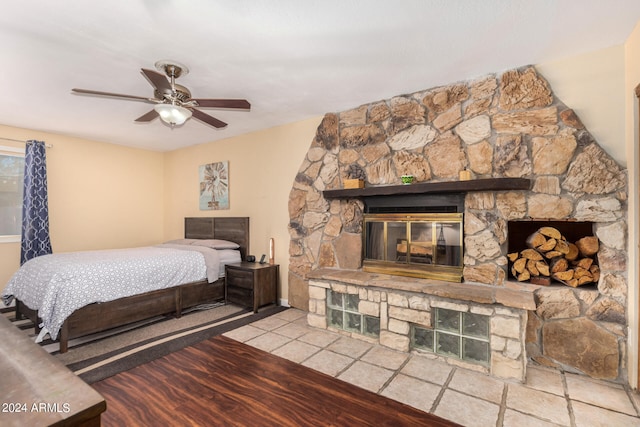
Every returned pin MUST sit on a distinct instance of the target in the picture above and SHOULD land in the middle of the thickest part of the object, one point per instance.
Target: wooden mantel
(484, 184)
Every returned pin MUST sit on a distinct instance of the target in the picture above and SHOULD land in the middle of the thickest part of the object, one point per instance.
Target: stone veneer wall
(507, 125)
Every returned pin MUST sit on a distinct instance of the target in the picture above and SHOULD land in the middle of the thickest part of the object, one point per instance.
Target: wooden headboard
(234, 229)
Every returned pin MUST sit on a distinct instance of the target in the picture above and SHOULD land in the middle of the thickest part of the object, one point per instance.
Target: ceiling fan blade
(157, 80)
(207, 119)
(148, 116)
(223, 103)
(115, 95)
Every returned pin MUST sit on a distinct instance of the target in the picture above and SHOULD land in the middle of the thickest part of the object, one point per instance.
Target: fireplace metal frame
(451, 273)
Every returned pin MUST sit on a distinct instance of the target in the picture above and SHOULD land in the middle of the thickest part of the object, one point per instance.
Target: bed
(101, 316)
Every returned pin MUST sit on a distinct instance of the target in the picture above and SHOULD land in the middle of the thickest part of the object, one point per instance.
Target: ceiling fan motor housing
(180, 95)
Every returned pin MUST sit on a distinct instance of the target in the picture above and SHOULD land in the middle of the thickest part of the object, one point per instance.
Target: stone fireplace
(499, 127)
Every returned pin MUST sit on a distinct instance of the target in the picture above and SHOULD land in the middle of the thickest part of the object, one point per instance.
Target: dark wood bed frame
(98, 317)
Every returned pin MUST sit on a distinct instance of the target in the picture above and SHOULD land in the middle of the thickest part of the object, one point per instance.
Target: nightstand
(251, 284)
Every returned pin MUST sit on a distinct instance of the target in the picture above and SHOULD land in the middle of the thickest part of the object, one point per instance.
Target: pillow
(215, 243)
(181, 241)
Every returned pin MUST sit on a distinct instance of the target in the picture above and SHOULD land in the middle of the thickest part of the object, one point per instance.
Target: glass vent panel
(342, 313)
(455, 334)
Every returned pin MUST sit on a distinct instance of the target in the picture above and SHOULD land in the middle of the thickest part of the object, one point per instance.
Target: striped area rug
(99, 356)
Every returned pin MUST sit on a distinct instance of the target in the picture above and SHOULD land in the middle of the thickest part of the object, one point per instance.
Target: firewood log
(552, 232)
(580, 272)
(558, 265)
(584, 263)
(588, 246)
(524, 276)
(543, 268)
(533, 269)
(584, 280)
(563, 276)
(535, 240)
(573, 252)
(562, 246)
(531, 254)
(572, 282)
(520, 265)
(553, 254)
(548, 245)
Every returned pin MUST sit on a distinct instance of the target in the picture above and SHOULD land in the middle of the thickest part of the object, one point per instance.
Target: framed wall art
(214, 186)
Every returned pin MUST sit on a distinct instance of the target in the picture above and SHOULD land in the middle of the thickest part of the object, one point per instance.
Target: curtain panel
(35, 210)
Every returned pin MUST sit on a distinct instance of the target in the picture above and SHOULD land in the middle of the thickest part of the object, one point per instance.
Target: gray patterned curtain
(35, 210)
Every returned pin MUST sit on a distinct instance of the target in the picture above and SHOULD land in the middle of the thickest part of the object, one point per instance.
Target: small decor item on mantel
(465, 175)
(407, 179)
(354, 177)
(353, 183)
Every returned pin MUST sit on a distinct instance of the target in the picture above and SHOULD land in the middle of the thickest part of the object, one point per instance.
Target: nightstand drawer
(240, 295)
(243, 279)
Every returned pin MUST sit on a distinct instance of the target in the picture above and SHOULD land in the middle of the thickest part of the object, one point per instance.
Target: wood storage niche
(546, 252)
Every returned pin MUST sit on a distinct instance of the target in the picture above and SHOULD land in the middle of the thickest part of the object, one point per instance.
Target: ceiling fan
(173, 102)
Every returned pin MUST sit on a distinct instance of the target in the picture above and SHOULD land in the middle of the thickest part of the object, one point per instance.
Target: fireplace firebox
(414, 236)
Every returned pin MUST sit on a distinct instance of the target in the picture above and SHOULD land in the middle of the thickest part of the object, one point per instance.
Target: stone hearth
(402, 303)
(507, 125)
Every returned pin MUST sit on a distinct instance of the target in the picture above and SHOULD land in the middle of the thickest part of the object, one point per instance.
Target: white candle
(271, 251)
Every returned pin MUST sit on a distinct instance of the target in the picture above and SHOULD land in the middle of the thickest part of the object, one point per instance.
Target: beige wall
(593, 86)
(100, 196)
(262, 167)
(632, 140)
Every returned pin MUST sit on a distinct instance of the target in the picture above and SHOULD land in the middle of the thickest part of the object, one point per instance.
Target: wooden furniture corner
(38, 390)
(251, 284)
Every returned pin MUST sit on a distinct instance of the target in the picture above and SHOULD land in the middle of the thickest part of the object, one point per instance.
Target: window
(11, 180)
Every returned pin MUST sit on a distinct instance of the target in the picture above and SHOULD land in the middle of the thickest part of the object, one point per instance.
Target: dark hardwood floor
(224, 382)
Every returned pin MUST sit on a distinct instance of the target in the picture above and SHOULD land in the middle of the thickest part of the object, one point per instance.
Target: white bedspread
(57, 285)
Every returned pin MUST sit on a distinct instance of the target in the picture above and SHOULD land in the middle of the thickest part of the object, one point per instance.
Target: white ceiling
(292, 59)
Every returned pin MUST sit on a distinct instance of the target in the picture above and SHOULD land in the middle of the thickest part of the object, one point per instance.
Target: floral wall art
(214, 186)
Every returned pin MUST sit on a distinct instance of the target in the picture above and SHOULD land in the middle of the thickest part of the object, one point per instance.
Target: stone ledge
(513, 294)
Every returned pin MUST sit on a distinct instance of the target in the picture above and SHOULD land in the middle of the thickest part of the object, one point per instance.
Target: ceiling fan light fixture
(173, 115)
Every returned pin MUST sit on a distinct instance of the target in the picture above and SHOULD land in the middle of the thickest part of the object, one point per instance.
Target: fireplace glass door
(417, 245)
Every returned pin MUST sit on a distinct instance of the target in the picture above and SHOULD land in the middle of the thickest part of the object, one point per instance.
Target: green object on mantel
(407, 179)
(484, 184)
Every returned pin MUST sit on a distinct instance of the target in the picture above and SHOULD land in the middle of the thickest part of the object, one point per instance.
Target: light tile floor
(548, 398)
